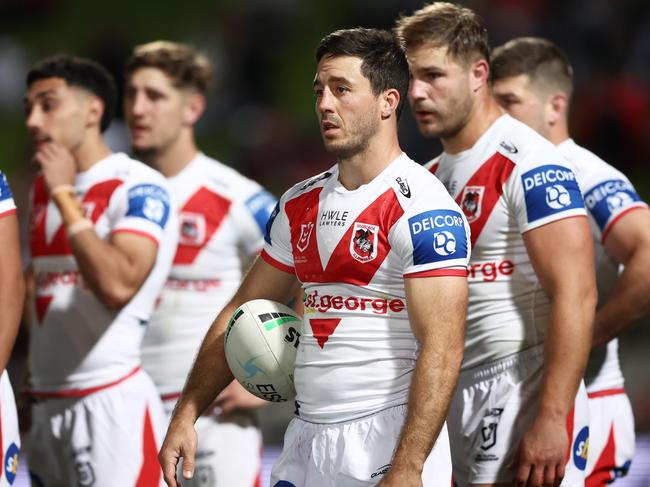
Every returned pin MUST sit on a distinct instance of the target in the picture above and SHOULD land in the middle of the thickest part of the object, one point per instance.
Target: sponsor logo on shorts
(204, 476)
(363, 244)
(378, 306)
(380, 471)
(550, 189)
(11, 462)
(471, 202)
(581, 448)
(489, 430)
(438, 235)
(85, 474)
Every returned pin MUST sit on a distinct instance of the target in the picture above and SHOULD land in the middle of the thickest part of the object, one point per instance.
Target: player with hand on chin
(102, 238)
(381, 251)
(222, 216)
(520, 405)
(533, 82)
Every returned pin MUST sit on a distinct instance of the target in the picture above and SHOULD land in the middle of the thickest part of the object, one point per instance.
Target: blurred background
(260, 116)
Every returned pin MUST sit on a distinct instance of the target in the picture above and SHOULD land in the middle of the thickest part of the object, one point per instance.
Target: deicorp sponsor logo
(11, 463)
(608, 198)
(326, 302)
(438, 235)
(549, 190)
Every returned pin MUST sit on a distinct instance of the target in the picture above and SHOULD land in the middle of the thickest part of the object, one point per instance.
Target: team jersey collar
(483, 140)
(383, 175)
(187, 169)
(90, 173)
(567, 144)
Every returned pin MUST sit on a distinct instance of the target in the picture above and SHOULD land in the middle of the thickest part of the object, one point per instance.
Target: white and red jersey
(7, 205)
(608, 195)
(352, 250)
(76, 342)
(222, 217)
(510, 182)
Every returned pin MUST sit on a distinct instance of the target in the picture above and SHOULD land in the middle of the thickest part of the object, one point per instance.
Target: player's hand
(235, 396)
(401, 477)
(57, 164)
(542, 453)
(180, 442)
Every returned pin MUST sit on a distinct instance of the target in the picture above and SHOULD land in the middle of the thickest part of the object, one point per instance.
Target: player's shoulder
(310, 184)
(133, 172)
(224, 179)
(524, 146)
(591, 169)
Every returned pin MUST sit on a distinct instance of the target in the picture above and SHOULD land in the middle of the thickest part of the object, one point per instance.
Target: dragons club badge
(472, 201)
(363, 245)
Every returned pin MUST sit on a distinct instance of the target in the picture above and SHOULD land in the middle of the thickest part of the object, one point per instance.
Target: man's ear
(390, 102)
(556, 107)
(194, 108)
(479, 74)
(95, 111)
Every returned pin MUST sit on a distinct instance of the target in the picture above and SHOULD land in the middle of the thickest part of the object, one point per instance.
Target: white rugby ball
(260, 344)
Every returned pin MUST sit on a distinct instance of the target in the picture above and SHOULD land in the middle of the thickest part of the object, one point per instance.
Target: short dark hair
(185, 66)
(544, 62)
(384, 63)
(83, 73)
(443, 24)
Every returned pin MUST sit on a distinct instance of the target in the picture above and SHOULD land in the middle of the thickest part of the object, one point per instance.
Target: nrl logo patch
(363, 245)
(471, 202)
(305, 233)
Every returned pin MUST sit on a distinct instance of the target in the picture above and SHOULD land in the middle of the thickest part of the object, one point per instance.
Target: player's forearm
(105, 269)
(210, 373)
(629, 301)
(12, 293)
(567, 348)
(432, 386)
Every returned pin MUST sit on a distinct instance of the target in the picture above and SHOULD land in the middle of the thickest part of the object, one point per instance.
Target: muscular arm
(12, 286)
(562, 256)
(210, 373)
(628, 242)
(436, 308)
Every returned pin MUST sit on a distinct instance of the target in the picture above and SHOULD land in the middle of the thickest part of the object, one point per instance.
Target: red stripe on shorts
(150, 471)
(606, 392)
(80, 392)
(602, 472)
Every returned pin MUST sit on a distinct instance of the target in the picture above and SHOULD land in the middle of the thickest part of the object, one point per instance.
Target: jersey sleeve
(432, 238)
(610, 199)
(543, 193)
(250, 217)
(7, 205)
(277, 239)
(142, 208)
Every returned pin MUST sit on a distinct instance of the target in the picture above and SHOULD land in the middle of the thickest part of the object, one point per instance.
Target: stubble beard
(361, 131)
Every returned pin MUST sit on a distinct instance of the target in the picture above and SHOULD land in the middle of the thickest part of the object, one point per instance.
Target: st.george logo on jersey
(549, 190)
(192, 228)
(306, 230)
(471, 202)
(363, 244)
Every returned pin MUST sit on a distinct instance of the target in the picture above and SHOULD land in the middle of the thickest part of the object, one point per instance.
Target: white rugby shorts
(611, 436)
(228, 453)
(104, 437)
(9, 434)
(352, 454)
(491, 410)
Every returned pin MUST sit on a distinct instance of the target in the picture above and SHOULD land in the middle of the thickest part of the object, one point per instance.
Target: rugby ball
(260, 344)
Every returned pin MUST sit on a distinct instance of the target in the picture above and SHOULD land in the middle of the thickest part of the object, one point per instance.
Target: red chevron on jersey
(359, 253)
(42, 303)
(94, 204)
(482, 191)
(434, 168)
(200, 218)
(323, 329)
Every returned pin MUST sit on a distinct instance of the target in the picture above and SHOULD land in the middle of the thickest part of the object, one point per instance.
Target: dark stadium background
(260, 115)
